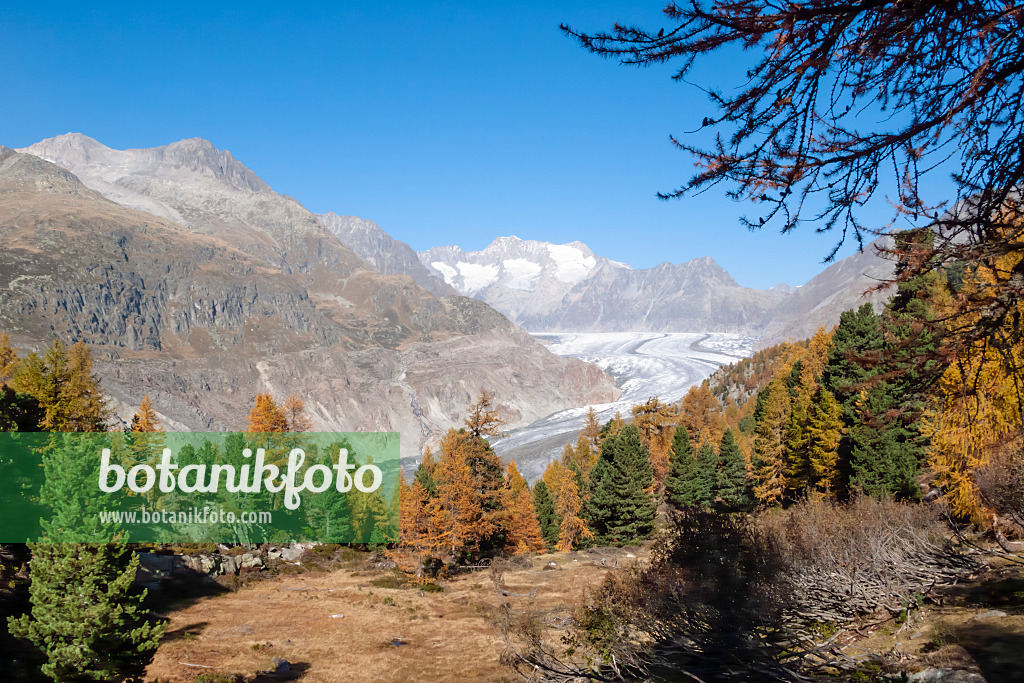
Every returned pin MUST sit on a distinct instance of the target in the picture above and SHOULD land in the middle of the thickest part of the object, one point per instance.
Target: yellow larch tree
(699, 412)
(770, 446)
(656, 422)
(980, 397)
(8, 359)
(592, 428)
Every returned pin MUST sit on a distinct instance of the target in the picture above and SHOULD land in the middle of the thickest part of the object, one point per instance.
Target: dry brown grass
(447, 636)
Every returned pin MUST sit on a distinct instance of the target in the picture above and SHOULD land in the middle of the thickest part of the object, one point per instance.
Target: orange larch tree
(524, 533)
(266, 416)
(294, 410)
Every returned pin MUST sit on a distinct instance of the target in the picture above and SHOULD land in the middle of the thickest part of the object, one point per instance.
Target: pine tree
(682, 487)
(18, 412)
(425, 474)
(731, 483)
(707, 472)
(544, 506)
(620, 505)
(86, 615)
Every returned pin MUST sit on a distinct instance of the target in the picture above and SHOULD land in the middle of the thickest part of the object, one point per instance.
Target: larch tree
(848, 108)
(698, 413)
(524, 531)
(456, 512)
(655, 420)
(146, 419)
(592, 428)
(266, 416)
(798, 456)
(144, 439)
(979, 400)
(484, 417)
(8, 359)
(770, 463)
(572, 529)
(825, 429)
(64, 385)
(294, 410)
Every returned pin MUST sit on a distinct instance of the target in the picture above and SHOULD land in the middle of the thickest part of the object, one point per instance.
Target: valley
(643, 364)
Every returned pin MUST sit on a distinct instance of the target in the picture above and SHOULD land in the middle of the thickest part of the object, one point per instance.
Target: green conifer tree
(707, 472)
(682, 487)
(732, 486)
(621, 508)
(86, 616)
(550, 524)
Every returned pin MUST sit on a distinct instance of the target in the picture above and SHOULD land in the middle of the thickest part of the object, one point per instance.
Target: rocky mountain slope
(846, 284)
(199, 285)
(566, 287)
(386, 254)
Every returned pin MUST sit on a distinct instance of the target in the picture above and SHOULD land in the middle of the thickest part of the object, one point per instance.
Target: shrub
(393, 579)
(858, 558)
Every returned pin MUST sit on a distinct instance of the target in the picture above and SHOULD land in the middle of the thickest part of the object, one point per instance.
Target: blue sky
(446, 123)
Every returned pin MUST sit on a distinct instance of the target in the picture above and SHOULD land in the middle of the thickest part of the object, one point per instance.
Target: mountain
(386, 254)
(846, 284)
(566, 287)
(197, 284)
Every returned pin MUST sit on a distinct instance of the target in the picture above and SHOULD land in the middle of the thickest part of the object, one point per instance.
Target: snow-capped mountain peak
(545, 286)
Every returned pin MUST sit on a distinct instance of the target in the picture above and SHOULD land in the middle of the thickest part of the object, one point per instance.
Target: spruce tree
(707, 470)
(424, 474)
(601, 500)
(635, 506)
(681, 485)
(545, 507)
(731, 483)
